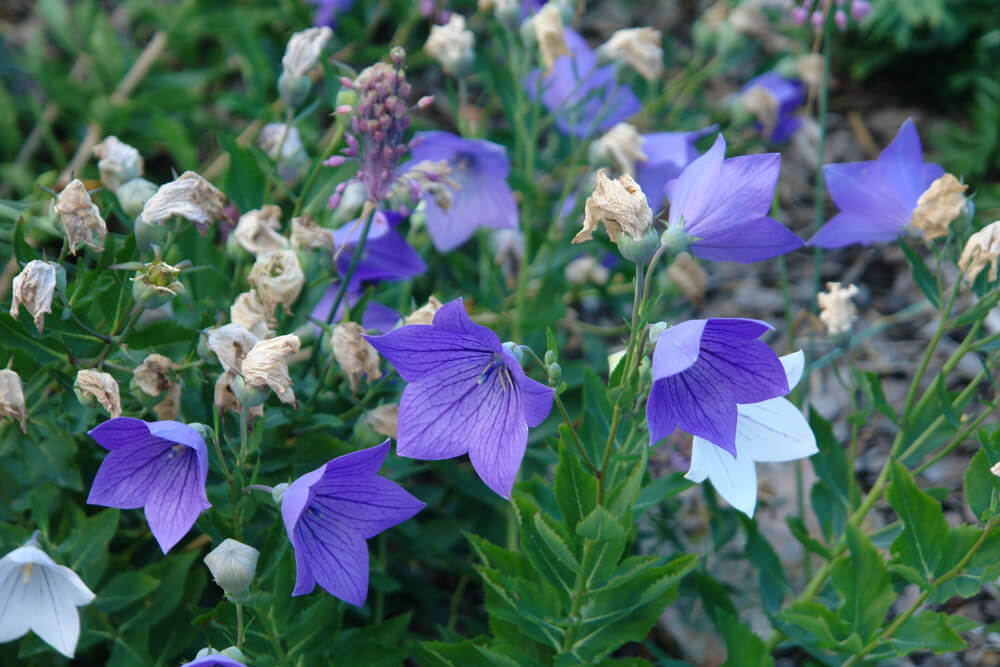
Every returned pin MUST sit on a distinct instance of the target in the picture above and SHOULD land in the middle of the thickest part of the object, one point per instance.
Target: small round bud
(134, 194)
(550, 357)
(293, 89)
(655, 330)
(675, 240)
(235, 654)
(232, 565)
(249, 397)
(278, 491)
(205, 652)
(515, 351)
(554, 371)
(204, 430)
(640, 251)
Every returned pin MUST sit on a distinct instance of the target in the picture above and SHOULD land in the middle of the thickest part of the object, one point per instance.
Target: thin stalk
(331, 146)
(819, 192)
(240, 629)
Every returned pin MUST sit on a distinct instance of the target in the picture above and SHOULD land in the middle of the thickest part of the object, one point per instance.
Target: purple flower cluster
(810, 10)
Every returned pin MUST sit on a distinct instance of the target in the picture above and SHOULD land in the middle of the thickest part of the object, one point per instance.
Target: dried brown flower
(354, 354)
(620, 204)
(34, 287)
(80, 217)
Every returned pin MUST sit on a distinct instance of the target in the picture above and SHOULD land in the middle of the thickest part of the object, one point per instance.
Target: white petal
(794, 364)
(49, 610)
(73, 587)
(773, 430)
(735, 479)
(13, 623)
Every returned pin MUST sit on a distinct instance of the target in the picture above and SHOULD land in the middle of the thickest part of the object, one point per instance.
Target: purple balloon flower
(483, 199)
(876, 198)
(722, 206)
(702, 369)
(667, 153)
(387, 255)
(784, 96)
(465, 393)
(331, 511)
(584, 97)
(161, 466)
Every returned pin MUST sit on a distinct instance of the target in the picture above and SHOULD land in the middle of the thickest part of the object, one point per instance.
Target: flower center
(496, 364)
(174, 451)
(464, 161)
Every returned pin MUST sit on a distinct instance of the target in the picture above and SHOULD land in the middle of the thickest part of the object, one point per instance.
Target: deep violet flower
(702, 369)
(774, 100)
(722, 205)
(771, 430)
(331, 511)
(877, 198)
(584, 97)
(667, 153)
(386, 256)
(213, 661)
(327, 10)
(161, 466)
(465, 393)
(483, 198)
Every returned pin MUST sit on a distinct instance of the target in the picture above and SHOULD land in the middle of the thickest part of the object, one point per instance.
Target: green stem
(819, 192)
(240, 630)
(314, 169)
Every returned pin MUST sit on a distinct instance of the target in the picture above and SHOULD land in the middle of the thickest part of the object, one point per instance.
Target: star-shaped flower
(161, 466)
(771, 430)
(466, 394)
(331, 511)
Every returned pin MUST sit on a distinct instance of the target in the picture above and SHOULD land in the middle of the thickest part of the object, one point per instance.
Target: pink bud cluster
(812, 11)
(377, 125)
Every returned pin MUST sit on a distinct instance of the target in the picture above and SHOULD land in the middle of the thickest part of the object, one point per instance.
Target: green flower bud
(235, 654)
(293, 89)
(555, 373)
(134, 194)
(640, 251)
(550, 357)
(233, 565)
(278, 491)
(655, 330)
(249, 397)
(675, 239)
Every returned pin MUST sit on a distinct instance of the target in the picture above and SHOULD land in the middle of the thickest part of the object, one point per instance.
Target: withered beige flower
(549, 33)
(190, 197)
(586, 270)
(34, 287)
(225, 399)
(249, 312)
(270, 138)
(257, 230)
(304, 49)
(277, 276)
(638, 47)
(762, 103)
(383, 419)
(809, 67)
(12, 397)
(154, 377)
(91, 384)
(231, 343)
(118, 162)
(451, 44)
(432, 179)
(622, 146)
(80, 217)
(354, 354)
(267, 365)
(981, 249)
(689, 276)
(836, 310)
(620, 204)
(939, 204)
(425, 313)
(307, 234)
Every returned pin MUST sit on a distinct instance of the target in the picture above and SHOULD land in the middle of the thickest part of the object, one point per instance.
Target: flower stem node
(674, 239)
(278, 491)
(640, 251)
(654, 331)
(233, 565)
(249, 396)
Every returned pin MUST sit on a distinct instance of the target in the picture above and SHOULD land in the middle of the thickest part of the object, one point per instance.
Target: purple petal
(537, 396)
(176, 497)
(744, 188)
(126, 475)
(335, 556)
(419, 350)
(677, 348)
(697, 400)
(902, 162)
(498, 438)
(667, 153)
(692, 190)
(368, 506)
(483, 200)
(749, 367)
(379, 318)
(120, 432)
(849, 228)
(749, 241)
(387, 257)
(862, 188)
(297, 496)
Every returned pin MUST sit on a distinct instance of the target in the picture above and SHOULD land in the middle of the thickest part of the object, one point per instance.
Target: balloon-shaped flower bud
(134, 194)
(118, 162)
(232, 565)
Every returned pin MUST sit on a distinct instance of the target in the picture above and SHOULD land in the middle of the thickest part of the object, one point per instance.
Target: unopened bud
(248, 396)
(232, 565)
(278, 491)
(554, 371)
(675, 239)
(235, 654)
(655, 330)
(134, 194)
(550, 357)
(640, 251)
(515, 351)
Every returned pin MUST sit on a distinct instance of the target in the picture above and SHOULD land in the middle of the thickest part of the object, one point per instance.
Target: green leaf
(830, 495)
(23, 252)
(743, 647)
(575, 488)
(921, 274)
(799, 531)
(925, 530)
(552, 564)
(623, 495)
(816, 619)
(982, 487)
(872, 387)
(926, 631)
(605, 543)
(863, 583)
(977, 312)
(773, 585)
(123, 589)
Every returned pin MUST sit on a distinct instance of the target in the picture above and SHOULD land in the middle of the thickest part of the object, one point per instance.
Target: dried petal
(231, 344)
(981, 249)
(939, 204)
(118, 162)
(689, 276)
(620, 204)
(189, 196)
(383, 419)
(249, 312)
(278, 278)
(425, 313)
(639, 47)
(836, 310)
(257, 230)
(153, 374)
(266, 365)
(307, 234)
(34, 287)
(80, 217)
(354, 354)
(621, 145)
(550, 35)
(304, 49)
(585, 269)
(451, 45)
(12, 397)
(102, 387)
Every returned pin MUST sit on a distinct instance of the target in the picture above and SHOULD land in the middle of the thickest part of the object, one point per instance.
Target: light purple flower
(722, 206)
(327, 10)
(161, 466)
(702, 369)
(465, 393)
(217, 660)
(876, 198)
(387, 255)
(584, 97)
(331, 511)
(483, 199)
(667, 153)
(788, 95)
